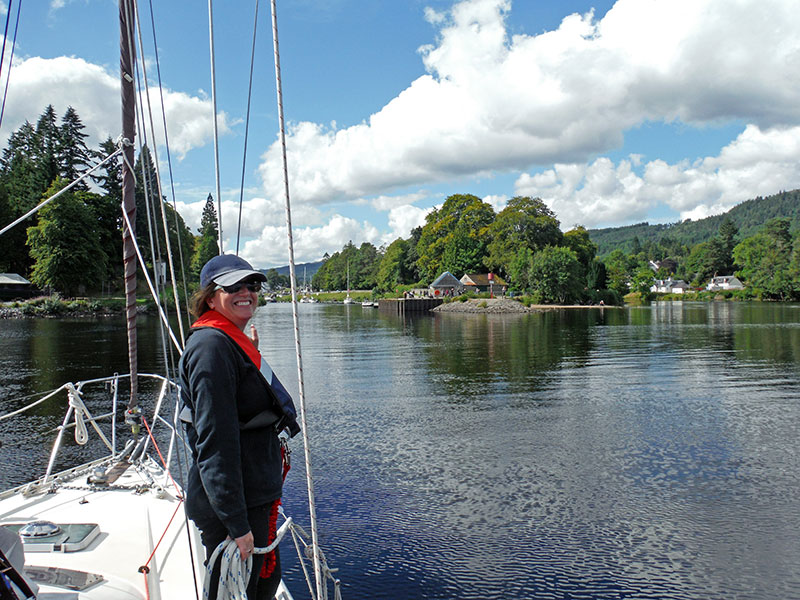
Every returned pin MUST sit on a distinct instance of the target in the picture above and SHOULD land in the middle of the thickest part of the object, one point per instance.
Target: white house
(669, 286)
(724, 282)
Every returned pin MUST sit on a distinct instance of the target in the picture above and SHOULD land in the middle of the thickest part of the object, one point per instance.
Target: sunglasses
(253, 286)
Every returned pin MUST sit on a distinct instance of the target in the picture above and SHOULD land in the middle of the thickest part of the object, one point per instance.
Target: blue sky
(611, 112)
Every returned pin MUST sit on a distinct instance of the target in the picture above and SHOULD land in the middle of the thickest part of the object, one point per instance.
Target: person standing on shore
(234, 409)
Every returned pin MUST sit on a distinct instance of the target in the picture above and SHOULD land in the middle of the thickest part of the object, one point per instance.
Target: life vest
(287, 419)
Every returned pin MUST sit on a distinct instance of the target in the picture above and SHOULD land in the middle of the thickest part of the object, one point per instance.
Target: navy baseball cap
(227, 269)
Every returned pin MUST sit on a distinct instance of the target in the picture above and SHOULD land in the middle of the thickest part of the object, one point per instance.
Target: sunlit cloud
(94, 93)
(601, 193)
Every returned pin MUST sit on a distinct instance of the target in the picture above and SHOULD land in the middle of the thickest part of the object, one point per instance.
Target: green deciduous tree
(362, 263)
(64, 245)
(619, 268)
(410, 267)
(519, 269)
(706, 260)
(642, 280)
(392, 270)
(459, 224)
(578, 241)
(556, 274)
(524, 222)
(276, 281)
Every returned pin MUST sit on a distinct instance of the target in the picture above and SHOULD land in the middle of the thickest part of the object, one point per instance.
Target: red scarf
(212, 318)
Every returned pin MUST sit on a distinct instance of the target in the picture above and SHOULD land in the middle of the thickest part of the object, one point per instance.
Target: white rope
(306, 445)
(234, 573)
(81, 412)
(81, 434)
(214, 107)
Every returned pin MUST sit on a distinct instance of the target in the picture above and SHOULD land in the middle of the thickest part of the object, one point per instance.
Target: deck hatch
(69, 579)
(67, 537)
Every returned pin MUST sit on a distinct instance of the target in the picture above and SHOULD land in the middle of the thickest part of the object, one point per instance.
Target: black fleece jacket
(233, 468)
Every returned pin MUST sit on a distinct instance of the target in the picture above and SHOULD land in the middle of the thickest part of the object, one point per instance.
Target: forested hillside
(748, 217)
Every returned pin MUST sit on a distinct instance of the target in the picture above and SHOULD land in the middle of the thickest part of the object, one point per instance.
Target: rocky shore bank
(485, 305)
(504, 306)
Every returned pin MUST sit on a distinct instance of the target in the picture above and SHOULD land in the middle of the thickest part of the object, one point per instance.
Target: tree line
(748, 217)
(74, 244)
(524, 244)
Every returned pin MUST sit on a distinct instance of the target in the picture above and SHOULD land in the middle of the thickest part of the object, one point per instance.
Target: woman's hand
(246, 543)
(253, 335)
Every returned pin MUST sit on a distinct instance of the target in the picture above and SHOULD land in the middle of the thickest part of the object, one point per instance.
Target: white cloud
(497, 203)
(387, 203)
(310, 243)
(94, 93)
(402, 219)
(491, 101)
(757, 163)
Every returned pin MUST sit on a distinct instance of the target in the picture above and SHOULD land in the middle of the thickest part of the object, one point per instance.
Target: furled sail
(127, 63)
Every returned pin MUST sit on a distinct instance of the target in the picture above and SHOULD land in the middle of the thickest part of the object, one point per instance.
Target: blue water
(623, 453)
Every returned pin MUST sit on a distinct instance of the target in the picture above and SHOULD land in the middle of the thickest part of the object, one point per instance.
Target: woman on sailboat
(235, 407)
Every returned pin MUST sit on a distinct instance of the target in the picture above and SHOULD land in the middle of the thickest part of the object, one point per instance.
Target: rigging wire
(145, 160)
(158, 183)
(5, 35)
(161, 313)
(247, 127)
(10, 56)
(214, 107)
(169, 160)
(306, 445)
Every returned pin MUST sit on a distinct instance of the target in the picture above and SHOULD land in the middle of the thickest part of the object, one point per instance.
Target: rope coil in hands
(234, 572)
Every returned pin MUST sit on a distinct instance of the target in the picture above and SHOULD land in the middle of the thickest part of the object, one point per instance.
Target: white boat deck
(131, 524)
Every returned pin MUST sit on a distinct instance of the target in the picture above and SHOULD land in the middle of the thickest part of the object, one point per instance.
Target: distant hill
(749, 217)
(300, 270)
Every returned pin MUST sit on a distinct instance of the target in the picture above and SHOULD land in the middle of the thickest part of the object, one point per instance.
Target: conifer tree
(109, 212)
(207, 243)
(73, 155)
(47, 141)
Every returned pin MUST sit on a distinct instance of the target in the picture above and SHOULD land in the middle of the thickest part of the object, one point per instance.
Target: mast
(127, 61)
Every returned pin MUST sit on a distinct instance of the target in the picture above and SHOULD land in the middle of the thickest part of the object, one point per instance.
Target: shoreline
(505, 306)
